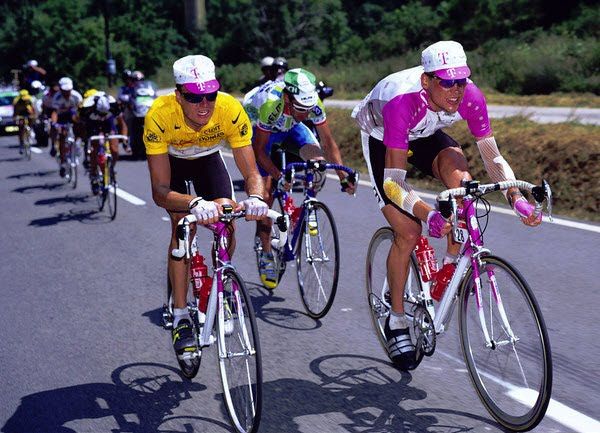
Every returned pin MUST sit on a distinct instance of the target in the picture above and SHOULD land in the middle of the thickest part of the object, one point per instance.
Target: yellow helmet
(24, 92)
(90, 92)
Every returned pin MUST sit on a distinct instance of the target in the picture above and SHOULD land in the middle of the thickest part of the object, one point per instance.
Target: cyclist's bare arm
(259, 144)
(160, 177)
(330, 147)
(246, 163)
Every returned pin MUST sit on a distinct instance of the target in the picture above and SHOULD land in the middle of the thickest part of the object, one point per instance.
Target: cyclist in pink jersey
(401, 121)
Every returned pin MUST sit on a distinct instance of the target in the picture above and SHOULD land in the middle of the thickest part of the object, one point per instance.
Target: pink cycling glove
(435, 224)
(524, 209)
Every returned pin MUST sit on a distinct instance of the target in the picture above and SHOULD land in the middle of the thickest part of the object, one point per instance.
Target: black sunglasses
(192, 98)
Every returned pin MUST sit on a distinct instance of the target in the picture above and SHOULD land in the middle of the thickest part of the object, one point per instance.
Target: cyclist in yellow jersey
(183, 134)
(23, 112)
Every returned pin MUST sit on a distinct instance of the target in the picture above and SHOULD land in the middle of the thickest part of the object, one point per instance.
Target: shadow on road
(33, 174)
(83, 216)
(357, 393)
(46, 186)
(139, 399)
(79, 198)
(262, 300)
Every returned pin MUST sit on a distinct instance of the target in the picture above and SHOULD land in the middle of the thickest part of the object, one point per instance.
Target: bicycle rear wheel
(513, 373)
(317, 259)
(239, 355)
(378, 290)
(27, 142)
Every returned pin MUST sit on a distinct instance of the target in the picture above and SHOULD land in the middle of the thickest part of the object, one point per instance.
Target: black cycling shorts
(423, 152)
(208, 173)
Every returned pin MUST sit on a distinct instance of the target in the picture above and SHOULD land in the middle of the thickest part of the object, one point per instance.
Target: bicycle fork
(489, 341)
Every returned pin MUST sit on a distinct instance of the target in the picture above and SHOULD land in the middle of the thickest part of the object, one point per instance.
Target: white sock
(398, 320)
(180, 313)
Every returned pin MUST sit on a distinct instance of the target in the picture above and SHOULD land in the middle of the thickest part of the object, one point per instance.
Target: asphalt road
(82, 349)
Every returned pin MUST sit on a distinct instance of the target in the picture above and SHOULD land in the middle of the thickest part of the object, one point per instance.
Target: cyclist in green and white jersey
(276, 110)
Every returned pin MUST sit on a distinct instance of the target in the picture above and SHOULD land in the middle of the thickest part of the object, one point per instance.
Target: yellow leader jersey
(165, 130)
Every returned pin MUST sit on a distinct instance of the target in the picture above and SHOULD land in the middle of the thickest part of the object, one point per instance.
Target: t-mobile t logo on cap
(451, 72)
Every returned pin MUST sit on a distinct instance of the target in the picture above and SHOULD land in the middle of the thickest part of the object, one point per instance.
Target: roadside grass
(567, 155)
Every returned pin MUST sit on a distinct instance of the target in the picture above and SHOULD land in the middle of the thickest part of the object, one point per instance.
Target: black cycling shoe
(52, 151)
(95, 186)
(400, 348)
(62, 171)
(184, 340)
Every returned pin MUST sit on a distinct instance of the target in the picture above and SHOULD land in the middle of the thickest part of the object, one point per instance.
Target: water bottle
(442, 279)
(426, 259)
(201, 281)
(288, 205)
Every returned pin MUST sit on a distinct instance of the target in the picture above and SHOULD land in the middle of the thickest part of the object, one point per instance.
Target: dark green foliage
(354, 43)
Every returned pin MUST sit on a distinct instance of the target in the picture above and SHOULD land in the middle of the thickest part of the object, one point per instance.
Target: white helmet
(102, 104)
(266, 62)
(32, 63)
(37, 86)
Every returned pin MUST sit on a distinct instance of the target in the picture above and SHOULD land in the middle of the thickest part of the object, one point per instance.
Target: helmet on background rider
(89, 92)
(137, 76)
(280, 63)
(280, 67)
(31, 63)
(266, 62)
(126, 75)
(24, 94)
(37, 86)
(300, 85)
(102, 104)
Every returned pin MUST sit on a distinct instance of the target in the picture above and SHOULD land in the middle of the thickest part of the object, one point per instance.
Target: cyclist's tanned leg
(450, 166)
(406, 233)
(263, 227)
(178, 268)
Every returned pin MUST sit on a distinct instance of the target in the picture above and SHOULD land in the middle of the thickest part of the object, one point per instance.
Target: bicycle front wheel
(239, 355)
(505, 345)
(112, 182)
(317, 260)
(72, 163)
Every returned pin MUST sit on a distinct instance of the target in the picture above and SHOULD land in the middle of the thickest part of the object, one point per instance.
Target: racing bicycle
(313, 242)
(28, 136)
(229, 320)
(72, 149)
(105, 171)
(502, 332)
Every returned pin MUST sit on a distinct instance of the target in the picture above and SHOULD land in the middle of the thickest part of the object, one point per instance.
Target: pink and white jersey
(396, 110)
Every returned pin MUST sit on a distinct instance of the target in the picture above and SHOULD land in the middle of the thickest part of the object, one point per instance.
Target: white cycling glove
(255, 206)
(203, 210)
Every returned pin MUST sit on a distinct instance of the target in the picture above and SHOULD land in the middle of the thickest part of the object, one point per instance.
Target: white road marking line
(128, 197)
(36, 150)
(557, 221)
(557, 411)
(166, 218)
